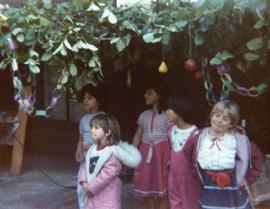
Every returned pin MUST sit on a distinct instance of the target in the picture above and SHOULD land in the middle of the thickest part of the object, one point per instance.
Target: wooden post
(18, 145)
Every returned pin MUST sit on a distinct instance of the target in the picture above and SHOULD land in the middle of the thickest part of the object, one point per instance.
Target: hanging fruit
(190, 64)
(163, 67)
(129, 78)
(198, 75)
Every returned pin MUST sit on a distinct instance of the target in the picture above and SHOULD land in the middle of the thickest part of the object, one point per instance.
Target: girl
(150, 178)
(92, 98)
(99, 176)
(220, 154)
(184, 189)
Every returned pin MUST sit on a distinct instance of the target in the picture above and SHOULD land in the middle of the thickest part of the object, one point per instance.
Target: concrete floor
(48, 182)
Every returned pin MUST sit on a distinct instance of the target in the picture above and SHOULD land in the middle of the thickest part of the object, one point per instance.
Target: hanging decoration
(163, 68)
(228, 85)
(129, 78)
(26, 103)
(190, 64)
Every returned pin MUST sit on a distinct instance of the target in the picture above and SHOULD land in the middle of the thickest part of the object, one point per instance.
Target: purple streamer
(11, 44)
(54, 102)
(242, 90)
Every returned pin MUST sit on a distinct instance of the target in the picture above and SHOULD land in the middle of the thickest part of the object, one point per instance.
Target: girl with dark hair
(93, 100)
(100, 174)
(151, 176)
(184, 189)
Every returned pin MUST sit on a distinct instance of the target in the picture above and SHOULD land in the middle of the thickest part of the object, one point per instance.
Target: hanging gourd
(163, 68)
(129, 78)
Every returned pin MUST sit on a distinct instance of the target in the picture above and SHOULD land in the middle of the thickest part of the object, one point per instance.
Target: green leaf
(58, 48)
(93, 7)
(123, 43)
(249, 56)
(148, 37)
(215, 61)
(91, 47)
(73, 70)
(130, 26)
(79, 81)
(224, 55)
(34, 69)
(166, 38)
(67, 44)
(46, 56)
(63, 51)
(3, 64)
(112, 18)
(152, 37)
(18, 84)
(240, 66)
(64, 79)
(33, 53)
(255, 43)
(259, 24)
(114, 40)
(16, 31)
(44, 22)
(92, 63)
(47, 4)
(181, 24)
(105, 13)
(198, 40)
(262, 88)
(20, 37)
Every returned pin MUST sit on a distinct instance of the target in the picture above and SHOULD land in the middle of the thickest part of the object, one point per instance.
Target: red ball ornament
(190, 64)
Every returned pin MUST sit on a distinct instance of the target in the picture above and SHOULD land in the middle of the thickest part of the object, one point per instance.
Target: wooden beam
(18, 145)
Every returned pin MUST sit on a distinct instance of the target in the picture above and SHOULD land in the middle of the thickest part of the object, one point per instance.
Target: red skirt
(151, 176)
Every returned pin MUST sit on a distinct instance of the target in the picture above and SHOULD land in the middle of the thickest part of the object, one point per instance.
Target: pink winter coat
(106, 187)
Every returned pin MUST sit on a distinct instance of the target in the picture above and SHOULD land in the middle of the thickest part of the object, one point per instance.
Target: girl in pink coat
(100, 175)
(184, 189)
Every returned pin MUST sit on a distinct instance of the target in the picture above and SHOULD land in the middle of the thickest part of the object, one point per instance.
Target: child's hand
(242, 184)
(79, 156)
(85, 187)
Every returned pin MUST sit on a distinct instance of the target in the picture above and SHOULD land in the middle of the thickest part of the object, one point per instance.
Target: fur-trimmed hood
(128, 154)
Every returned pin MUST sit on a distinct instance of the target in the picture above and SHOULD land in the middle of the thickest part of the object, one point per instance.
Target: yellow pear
(163, 67)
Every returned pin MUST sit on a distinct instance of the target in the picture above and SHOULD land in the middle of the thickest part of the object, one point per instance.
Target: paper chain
(26, 103)
(228, 85)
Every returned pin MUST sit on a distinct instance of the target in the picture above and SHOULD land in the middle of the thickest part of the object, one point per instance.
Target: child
(184, 189)
(92, 98)
(221, 156)
(99, 176)
(151, 176)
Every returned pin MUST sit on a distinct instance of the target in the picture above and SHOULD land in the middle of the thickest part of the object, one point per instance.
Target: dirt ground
(48, 182)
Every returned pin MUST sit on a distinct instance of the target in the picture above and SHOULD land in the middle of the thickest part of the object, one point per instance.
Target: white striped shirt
(155, 126)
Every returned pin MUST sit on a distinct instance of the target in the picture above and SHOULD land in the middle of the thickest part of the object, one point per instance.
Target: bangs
(229, 108)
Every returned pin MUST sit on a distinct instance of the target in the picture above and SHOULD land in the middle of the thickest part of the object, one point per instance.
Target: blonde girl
(221, 155)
